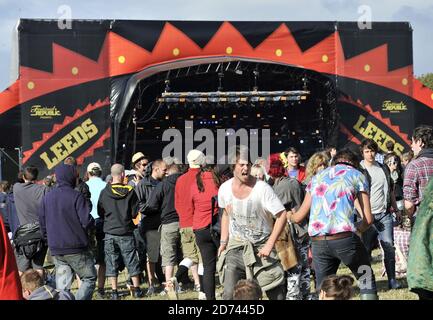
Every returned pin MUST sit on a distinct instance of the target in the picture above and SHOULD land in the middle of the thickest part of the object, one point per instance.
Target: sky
(418, 12)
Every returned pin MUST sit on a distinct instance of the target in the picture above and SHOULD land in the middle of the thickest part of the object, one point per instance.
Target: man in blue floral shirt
(330, 202)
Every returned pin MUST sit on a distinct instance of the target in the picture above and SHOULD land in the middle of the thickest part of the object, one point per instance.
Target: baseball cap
(92, 166)
(195, 158)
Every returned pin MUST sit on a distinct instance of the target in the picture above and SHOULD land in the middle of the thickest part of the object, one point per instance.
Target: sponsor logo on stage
(44, 112)
(393, 107)
(73, 140)
(370, 130)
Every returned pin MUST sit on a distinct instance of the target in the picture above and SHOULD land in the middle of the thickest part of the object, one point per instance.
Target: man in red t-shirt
(182, 203)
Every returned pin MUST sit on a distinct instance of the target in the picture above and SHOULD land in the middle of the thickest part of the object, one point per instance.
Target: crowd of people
(267, 227)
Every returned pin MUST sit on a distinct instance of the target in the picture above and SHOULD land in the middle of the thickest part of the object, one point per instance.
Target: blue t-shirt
(96, 185)
(293, 173)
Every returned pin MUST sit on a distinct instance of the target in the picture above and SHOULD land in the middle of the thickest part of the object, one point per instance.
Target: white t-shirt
(252, 218)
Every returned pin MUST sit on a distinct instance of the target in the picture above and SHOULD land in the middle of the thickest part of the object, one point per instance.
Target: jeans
(208, 250)
(83, 264)
(328, 254)
(382, 228)
(235, 271)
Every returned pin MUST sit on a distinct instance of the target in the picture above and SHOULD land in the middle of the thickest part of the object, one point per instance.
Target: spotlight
(301, 141)
(280, 142)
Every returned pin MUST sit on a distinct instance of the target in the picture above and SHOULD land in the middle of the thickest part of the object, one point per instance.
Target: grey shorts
(117, 248)
(170, 237)
(153, 240)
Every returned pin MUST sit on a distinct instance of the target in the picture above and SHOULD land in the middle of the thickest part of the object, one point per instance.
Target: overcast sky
(418, 12)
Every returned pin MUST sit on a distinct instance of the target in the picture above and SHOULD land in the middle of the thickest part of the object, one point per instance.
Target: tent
(79, 88)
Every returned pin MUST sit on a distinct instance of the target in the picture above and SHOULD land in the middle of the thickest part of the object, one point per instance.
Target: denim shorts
(119, 248)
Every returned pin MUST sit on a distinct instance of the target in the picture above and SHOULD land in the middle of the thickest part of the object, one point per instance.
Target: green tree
(427, 80)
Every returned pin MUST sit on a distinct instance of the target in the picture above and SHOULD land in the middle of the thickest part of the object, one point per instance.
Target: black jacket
(117, 206)
(83, 188)
(149, 220)
(162, 200)
(389, 181)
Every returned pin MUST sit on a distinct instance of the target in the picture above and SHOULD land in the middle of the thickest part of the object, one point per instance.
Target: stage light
(234, 116)
(293, 133)
(201, 122)
(213, 116)
(216, 122)
(280, 142)
(285, 118)
(124, 146)
(258, 115)
(320, 141)
(317, 131)
(167, 117)
(301, 141)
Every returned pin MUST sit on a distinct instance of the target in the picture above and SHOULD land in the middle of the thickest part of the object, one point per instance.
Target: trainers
(100, 294)
(393, 284)
(172, 288)
(201, 296)
(180, 288)
(197, 288)
(150, 291)
(115, 295)
(137, 293)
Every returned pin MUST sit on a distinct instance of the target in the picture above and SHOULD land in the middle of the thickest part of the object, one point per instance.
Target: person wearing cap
(183, 204)
(96, 185)
(139, 163)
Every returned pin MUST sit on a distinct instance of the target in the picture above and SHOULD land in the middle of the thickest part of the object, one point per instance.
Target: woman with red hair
(289, 191)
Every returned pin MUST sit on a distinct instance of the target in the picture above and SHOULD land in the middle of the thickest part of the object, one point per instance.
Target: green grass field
(382, 285)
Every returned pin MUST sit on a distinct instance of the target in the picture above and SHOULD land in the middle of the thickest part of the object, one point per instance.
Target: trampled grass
(189, 294)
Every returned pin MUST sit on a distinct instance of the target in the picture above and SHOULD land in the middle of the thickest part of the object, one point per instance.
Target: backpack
(215, 227)
(28, 240)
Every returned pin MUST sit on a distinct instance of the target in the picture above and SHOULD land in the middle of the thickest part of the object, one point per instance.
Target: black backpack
(28, 240)
(215, 227)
